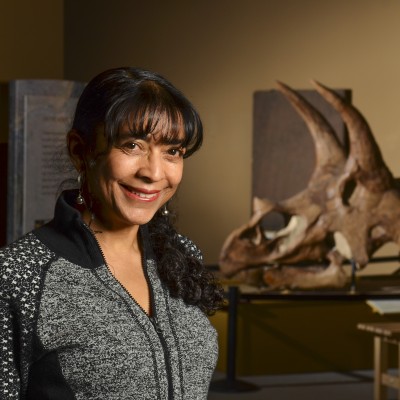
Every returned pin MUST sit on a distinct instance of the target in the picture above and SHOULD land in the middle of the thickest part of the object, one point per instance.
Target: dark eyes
(130, 145)
(178, 152)
(171, 151)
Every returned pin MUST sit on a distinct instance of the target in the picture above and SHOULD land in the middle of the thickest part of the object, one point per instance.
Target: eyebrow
(171, 140)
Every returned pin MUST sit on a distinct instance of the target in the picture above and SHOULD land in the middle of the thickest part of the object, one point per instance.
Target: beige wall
(219, 53)
(31, 45)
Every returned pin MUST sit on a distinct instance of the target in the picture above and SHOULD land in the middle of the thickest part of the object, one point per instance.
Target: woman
(107, 301)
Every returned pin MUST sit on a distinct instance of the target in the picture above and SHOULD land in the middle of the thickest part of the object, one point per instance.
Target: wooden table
(385, 334)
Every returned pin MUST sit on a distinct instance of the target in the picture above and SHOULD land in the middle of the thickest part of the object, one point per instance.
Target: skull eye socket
(274, 221)
(267, 228)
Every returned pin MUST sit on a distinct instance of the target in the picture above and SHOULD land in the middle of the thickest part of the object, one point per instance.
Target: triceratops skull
(350, 208)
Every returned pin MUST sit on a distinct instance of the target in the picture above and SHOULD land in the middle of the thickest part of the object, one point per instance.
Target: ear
(76, 149)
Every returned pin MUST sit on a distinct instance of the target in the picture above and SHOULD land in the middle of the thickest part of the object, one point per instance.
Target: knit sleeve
(21, 265)
(9, 377)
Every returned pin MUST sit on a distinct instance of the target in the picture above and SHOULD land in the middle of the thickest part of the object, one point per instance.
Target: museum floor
(357, 385)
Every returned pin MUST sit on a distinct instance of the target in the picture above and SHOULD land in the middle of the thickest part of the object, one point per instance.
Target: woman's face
(135, 178)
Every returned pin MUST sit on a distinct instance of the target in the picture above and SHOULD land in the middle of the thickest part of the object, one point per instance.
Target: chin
(140, 219)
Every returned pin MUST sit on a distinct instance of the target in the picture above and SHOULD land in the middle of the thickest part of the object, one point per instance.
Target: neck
(118, 238)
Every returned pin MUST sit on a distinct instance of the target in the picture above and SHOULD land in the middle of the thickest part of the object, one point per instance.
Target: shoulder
(21, 262)
(189, 247)
(26, 247)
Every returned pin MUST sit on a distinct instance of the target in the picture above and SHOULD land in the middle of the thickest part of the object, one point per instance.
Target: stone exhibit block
(41, 113)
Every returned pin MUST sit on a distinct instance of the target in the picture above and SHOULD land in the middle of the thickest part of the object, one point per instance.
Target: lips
(141, 194)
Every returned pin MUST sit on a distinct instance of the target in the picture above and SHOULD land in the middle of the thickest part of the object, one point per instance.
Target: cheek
(176, 175)
(112, 169)
(100, 176)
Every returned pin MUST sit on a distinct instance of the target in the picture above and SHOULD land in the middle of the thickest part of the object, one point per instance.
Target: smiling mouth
(142, 195)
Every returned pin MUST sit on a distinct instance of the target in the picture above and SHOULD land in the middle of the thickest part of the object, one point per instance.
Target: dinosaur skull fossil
(350, 208)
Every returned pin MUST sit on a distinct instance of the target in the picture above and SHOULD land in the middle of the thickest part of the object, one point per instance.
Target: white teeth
(144, 195)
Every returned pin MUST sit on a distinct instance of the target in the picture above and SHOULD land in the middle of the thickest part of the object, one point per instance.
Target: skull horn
(329, 151)
(373, 172)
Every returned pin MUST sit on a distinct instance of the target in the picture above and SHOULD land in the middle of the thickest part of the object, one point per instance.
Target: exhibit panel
(41, 113)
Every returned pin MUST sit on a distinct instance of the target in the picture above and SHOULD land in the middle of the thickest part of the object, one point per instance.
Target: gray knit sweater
(69, 330)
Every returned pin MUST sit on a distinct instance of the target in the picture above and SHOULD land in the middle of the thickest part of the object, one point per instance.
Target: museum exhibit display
(325, 202)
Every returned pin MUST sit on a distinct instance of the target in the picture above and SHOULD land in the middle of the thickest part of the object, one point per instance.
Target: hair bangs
(156, 111)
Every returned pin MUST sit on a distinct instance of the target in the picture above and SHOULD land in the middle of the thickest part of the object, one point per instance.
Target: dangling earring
(79, 198)
(165, 211)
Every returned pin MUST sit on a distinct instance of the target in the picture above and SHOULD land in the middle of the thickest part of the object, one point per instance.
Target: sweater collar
(68, 236)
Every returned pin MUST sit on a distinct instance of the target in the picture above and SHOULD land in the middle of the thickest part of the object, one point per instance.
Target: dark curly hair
(142, 99)
(181, 270)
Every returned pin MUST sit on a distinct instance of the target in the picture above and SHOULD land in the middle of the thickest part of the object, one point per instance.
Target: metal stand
(353, 276)
(230, 384)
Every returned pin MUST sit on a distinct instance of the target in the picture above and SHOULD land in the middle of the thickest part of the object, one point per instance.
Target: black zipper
(152, 318)
(177, 344)
(163, 342)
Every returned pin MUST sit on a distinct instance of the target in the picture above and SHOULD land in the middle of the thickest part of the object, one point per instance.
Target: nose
(151, 168)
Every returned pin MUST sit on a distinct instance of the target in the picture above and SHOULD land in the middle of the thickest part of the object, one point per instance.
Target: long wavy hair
(142, 100)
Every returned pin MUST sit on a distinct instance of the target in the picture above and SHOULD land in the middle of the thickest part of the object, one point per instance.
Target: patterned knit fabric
(21, 273)
(71, 331)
